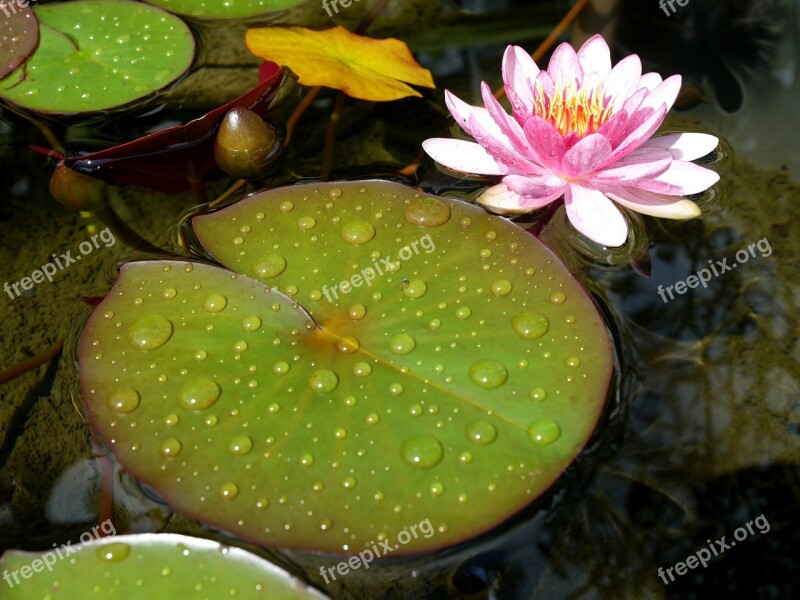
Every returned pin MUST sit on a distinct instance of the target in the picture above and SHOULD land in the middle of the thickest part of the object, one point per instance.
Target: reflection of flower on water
(582, 130)
(721, 42)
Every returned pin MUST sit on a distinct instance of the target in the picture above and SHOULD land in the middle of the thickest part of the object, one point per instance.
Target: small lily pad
(98, 54)
(19, 35)
(216, 9)
(453, 378)
(146, 566)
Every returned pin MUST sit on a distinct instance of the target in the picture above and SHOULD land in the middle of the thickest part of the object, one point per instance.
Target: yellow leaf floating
(361, 67)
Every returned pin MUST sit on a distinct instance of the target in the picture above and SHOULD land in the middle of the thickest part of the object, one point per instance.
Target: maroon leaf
(19, 35)
(170, 160)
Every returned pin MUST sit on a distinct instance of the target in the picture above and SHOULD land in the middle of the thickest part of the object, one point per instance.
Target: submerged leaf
(146, 566)
(168, 160)
(99, 54)
(215, 9)
(19, 35)
(360, 66)
(458, 371)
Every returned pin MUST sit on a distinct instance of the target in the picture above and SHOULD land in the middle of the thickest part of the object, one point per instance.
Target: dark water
(701, 436)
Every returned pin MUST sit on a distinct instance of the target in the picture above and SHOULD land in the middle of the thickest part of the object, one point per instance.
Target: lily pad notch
(463, 379)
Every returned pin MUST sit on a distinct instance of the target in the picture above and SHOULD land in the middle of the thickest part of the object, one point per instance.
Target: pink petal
(633, 103)
(595, 56)
(479, 124)
(650, 81)
(586, 156)
(685, 146)
(642, 163)
(463, 156)
(595, 216)
(546, 142)
(519, 73)
(643, 126)
(536, 191)
(507, 124)
(655, 205)
(623, 80)
(564, 65)
(614, 129)
(681, 179)
(664, 94)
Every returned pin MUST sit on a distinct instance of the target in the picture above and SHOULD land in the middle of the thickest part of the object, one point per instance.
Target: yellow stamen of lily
(572, 110)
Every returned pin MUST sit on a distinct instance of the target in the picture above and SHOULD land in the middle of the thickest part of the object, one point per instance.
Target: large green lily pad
(229, 9)
(453, 388)
(147, 566)
(98, 54)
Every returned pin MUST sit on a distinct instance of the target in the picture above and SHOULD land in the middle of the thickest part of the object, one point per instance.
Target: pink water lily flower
(582, 130)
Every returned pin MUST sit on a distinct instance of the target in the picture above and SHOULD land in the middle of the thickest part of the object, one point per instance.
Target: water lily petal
(623, 80)
(595, 56)
(642, 163)
(463, 156)
(614, 130)
(641, 126)
(507, 124)
(650, 81)
(536, 191)
(633, 103)
(655, 205)
(546, 142)
(502, 201)
(595, 216)
(685, 146)
(564, 65)
(681, 179)
(586, 156)
(519, 73)
(479, 124)
(664, 94)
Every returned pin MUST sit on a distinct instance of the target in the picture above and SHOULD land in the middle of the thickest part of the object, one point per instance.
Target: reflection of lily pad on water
(463, 380)
(94, 55)
(141, 567)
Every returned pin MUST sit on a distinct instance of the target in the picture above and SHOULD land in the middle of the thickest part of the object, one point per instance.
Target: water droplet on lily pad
(239, 445)
(481, 432)
(357, 312)
(501, 287)
(199, 394)
(113, 552)
(530, 325)
(544, 432)
(415, 288)
(358, 232)
(323, 381)
(150, 332)
(170, 447)
(402, 344)
(251, 323)
(422, 451)
(270, 266)
(488, 374)
(215, 303)
(123, 400)
(427, 212)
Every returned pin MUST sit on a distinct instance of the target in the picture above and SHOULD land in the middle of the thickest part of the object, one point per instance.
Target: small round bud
(77, 191)
(246, 145)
